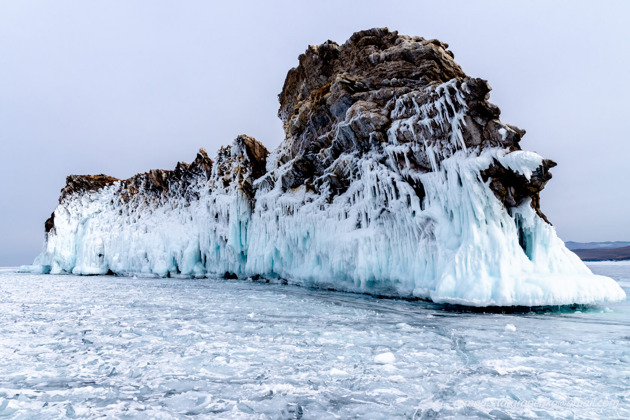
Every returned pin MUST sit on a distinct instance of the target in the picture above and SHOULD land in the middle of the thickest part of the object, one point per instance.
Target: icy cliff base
(395, 178)
(459, 245)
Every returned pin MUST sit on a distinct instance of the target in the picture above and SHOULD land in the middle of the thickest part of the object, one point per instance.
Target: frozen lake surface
(171, 348)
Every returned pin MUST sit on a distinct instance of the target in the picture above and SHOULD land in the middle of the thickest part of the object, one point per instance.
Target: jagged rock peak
(249, 150)
(83, 183)
(369, 60)
(382, 91)
(255, 151)
(237, 166)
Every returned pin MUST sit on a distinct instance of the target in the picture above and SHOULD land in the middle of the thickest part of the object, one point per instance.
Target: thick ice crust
(388, 185)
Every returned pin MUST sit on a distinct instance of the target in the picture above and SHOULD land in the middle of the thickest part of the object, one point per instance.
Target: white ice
(111, 347)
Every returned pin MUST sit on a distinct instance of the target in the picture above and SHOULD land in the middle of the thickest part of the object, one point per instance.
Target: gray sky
(120, 87)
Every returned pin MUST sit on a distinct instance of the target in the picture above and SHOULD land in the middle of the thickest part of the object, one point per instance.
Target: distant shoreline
(611, 254)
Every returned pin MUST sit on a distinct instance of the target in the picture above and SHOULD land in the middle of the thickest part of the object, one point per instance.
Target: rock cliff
(395, 177)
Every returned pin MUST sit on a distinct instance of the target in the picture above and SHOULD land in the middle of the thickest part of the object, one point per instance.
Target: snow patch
(387, 358)
(521, 161)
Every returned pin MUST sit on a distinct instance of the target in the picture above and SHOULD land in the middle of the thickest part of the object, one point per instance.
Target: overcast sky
(120, 87)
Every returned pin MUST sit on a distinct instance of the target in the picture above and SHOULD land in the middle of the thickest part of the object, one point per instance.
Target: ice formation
(396, 178)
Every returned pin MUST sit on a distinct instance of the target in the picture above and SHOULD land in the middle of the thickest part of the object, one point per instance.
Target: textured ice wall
(457, 244)
(396, 178)
(192, 232)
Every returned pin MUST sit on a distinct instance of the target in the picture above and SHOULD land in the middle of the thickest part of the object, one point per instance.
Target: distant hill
(615, 254)
(595, 245)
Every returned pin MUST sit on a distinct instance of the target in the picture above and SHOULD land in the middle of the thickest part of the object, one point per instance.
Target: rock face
(365, 95)
(396, 177)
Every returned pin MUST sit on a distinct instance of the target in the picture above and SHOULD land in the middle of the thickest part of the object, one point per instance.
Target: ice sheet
(167, 348)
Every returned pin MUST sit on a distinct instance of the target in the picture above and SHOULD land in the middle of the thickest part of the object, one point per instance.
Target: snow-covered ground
(167, 348)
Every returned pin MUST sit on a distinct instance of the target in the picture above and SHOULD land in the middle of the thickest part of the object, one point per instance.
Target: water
(171, 348)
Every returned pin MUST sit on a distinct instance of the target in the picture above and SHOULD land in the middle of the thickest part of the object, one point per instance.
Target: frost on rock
(191, 221)
(396, 178)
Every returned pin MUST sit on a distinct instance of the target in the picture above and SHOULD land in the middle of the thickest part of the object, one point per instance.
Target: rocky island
(396, 177)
